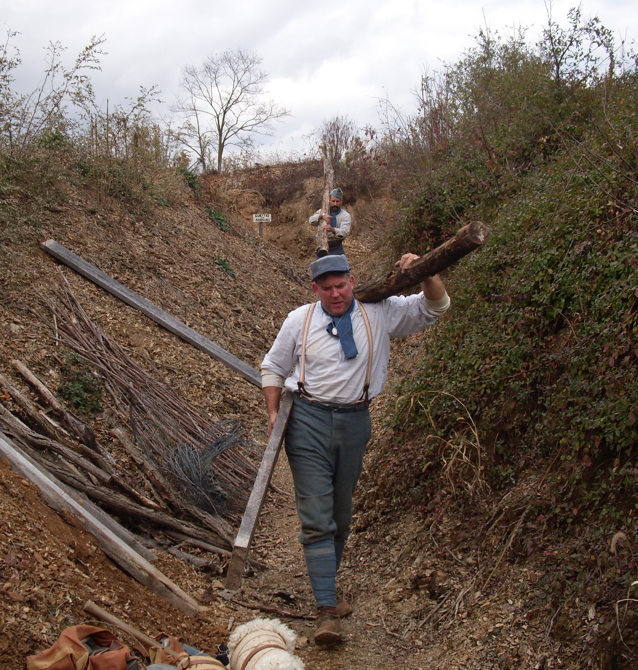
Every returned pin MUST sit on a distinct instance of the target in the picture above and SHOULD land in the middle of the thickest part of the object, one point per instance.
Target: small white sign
(261, 218)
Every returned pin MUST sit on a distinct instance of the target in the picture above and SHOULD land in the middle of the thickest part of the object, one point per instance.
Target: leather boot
(344, 608)
(328, 630)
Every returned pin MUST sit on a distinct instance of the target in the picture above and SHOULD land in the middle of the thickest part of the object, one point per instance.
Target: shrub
(225, 265)
(540, 346)
(219, 218)
(81, 387)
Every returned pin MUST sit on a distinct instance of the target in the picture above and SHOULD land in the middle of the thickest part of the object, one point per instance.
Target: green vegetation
(219, 218)
(223, 263)
(80, 387)
(541, 347)
(190, 178)
(518, 416)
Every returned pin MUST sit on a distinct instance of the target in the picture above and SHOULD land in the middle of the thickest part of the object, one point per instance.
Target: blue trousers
(325, 450)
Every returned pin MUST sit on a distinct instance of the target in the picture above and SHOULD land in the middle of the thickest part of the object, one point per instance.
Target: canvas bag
(70, 653)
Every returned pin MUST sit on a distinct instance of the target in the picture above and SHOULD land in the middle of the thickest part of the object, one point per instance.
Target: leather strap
(257, 650)
(304, 341)
(197, 660)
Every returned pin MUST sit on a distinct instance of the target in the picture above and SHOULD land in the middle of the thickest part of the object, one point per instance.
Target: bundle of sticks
(169, 466)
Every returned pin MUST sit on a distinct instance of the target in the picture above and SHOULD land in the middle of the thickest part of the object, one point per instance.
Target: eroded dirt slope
(232, 286)
(220, 283)
(418, 582)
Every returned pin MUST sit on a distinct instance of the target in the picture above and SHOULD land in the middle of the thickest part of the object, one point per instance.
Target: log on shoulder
(467, 239)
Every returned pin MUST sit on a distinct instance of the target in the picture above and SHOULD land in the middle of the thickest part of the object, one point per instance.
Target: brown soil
(398, 567)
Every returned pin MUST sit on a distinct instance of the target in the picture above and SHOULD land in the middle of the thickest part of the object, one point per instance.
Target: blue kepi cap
(336, 263)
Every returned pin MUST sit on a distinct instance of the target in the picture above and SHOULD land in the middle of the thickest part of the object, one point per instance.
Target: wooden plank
(158, 315)
(467, 239)
(113, 546)
(109, 522)
(244, 538)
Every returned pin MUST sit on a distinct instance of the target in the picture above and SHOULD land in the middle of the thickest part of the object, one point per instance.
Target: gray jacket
(343, 225)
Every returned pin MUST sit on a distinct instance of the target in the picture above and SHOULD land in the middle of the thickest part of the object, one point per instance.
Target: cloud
(323, 59)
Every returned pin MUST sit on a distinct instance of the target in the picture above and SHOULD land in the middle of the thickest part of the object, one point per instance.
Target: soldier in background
(336, 223)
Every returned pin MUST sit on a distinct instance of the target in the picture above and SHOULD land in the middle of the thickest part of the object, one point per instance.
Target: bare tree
(27, 118)
(225, 105)
(337, 135)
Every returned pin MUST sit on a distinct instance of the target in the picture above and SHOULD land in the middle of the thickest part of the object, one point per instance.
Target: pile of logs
(139, 478)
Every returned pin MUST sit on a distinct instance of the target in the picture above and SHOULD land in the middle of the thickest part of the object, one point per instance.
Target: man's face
(335, 203)
(335, 292)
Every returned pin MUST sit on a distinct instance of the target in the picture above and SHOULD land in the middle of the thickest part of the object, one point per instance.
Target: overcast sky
(323, 59)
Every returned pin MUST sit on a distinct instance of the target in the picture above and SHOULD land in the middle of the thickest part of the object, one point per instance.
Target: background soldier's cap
(336, 263)
(337, 193)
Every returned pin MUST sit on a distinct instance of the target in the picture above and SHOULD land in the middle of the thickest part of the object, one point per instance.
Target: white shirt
(344, 221)
(330, 376)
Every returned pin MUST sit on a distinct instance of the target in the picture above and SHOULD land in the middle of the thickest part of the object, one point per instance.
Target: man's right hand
(271, 422)
(272, 394)
(405, 261)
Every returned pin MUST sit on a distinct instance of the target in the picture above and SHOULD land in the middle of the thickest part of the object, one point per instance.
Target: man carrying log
(340, 350)
(336, 222)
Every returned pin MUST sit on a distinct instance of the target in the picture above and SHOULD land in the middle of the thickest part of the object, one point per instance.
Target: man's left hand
(405, 261)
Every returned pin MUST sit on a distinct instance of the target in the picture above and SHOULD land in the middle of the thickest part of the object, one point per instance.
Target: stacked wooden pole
(51, 445)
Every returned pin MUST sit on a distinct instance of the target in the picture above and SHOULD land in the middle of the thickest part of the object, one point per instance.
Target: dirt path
(286, 586)
(387, 627)
(417, 604)
(395, 623)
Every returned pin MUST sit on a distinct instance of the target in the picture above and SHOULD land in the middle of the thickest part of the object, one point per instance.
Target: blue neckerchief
(343, 324)
(333, 219)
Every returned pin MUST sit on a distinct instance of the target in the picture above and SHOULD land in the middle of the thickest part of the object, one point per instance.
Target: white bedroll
(263, 644)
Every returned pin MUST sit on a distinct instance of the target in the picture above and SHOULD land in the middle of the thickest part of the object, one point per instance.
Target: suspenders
(304, 341)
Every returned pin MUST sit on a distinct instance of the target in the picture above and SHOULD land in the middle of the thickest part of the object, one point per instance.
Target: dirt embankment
(425, 596)
(232, 286)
